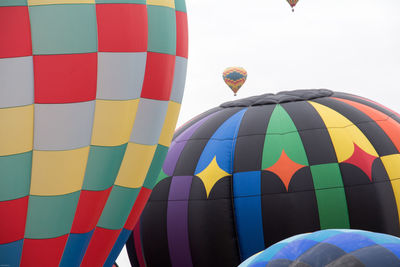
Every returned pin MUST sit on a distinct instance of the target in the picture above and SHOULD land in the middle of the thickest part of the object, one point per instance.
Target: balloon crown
(281, 97)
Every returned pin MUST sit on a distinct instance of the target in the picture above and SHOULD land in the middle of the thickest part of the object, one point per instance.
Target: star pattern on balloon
(285, 168)
(211, 175)
(362, 160)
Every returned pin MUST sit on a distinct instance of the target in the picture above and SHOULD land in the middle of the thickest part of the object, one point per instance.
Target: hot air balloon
(90, 91)
(292, 3)
(333, 248)
(234, 77)
(252, 172)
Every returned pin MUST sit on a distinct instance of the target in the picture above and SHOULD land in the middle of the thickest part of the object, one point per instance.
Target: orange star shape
(285, 168)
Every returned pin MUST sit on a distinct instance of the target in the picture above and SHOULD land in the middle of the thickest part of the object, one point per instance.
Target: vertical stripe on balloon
(331, 198)
(247, 199)
(282, 136)
(247, 182)
(156, 254)
(221, 145)
(392, 166)
(285, 172)
(177, 221)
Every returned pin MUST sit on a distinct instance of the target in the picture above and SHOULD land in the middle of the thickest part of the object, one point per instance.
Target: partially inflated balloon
(234, 77)
(333, 248)
(90, 91)
(249, 173)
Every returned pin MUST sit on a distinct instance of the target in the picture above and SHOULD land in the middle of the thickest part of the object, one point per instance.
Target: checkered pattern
(90, 92)
(332, 248)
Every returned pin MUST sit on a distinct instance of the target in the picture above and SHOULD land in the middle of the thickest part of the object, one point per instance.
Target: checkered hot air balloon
(249, 173)
(90, 91)
(333, 248)
(292, 3)
(234, 77)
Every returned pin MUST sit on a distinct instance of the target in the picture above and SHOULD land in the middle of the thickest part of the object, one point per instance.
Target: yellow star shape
(211, 175)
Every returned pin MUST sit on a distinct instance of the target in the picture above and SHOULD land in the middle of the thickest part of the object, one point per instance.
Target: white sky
(343, 45)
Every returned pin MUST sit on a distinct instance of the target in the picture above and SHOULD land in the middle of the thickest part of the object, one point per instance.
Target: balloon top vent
(281, 97)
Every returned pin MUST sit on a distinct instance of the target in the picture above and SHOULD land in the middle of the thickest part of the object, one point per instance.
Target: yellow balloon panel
(58, 172)
(135, 164)
(344, 133)
(169, 124)
(113, 121)
(16, 130)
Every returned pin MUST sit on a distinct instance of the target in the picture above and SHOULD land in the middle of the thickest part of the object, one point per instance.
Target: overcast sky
(343, 45)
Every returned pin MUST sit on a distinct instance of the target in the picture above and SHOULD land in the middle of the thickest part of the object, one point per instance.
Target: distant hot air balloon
(234, 77)
(292, 3)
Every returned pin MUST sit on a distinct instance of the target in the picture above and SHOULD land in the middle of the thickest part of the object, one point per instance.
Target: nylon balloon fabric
(252, 172)
(331, 248)
(90, 92)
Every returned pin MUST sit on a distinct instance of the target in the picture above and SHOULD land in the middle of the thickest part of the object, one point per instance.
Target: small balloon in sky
(234, 77)
(292, 3)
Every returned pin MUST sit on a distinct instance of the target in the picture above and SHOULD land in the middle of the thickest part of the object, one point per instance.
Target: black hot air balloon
(249, 173)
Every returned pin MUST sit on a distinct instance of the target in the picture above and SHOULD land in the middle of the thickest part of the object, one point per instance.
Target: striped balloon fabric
(252, 172)
(90, 92)
(333, 248)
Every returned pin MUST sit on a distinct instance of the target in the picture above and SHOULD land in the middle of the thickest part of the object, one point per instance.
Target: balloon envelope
(234, 77)
(333, 248)
(292, 3)
(249, 173)
(90, 92)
